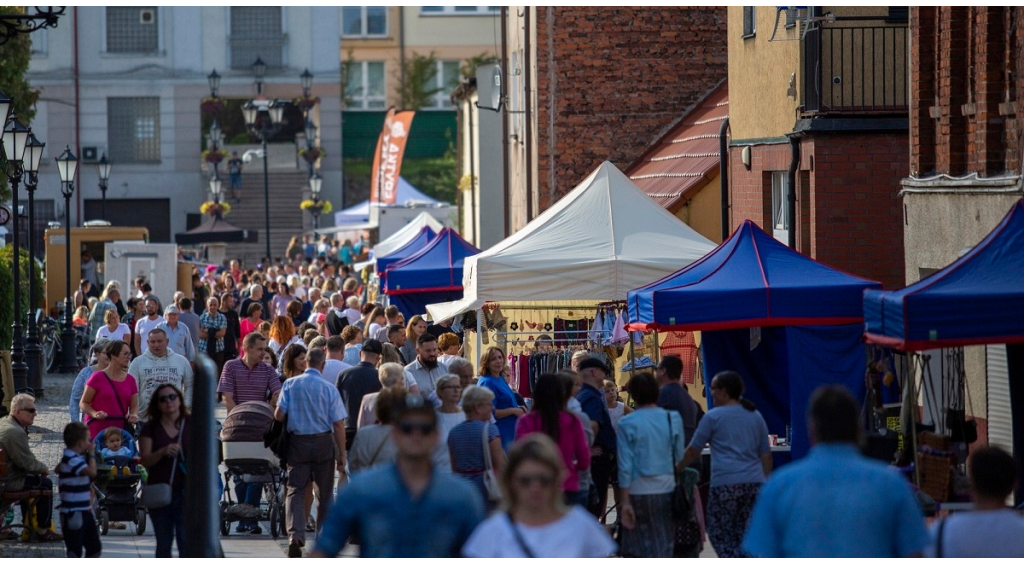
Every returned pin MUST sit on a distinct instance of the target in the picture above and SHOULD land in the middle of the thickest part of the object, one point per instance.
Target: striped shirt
(212, 324)
(72, 483)
(258, 383)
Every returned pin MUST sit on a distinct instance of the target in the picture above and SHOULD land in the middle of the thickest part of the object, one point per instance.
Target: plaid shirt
(212, 323)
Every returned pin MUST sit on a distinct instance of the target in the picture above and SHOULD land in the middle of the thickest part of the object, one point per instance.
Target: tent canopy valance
(600, 240)
(978, 299)
(435, 268)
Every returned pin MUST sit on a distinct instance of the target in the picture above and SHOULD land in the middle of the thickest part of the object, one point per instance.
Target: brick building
(965, 162)
(818, 112)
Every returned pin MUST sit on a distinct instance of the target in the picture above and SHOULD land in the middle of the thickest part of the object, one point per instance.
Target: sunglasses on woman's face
(408, 428)
(527, 480)
(168, 398)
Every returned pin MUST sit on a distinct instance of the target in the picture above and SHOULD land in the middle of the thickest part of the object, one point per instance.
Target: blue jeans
(249, 494)
(169, 525)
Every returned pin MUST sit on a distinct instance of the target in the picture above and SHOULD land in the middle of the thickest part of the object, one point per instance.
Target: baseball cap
(171, 309)
(373, 346)
(593, 363)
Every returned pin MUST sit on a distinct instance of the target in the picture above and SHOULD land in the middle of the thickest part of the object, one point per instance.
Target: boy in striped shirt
(75, 473)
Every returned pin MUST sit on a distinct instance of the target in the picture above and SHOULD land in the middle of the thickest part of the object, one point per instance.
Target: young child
(113, 444)
(75, 473)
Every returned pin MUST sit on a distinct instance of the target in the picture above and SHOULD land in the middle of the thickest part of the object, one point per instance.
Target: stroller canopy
(248, 422)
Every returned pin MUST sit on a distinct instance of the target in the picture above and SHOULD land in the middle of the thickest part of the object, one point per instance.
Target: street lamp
(259, 70)
(315, 183)
(306, 78)
(103, 171)
(215, 188)
(214, 79)
(14, 141)
(67, 165)
(33, 351)
(264, 127)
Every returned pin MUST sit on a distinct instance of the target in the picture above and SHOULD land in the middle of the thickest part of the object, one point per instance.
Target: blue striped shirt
(73, 483)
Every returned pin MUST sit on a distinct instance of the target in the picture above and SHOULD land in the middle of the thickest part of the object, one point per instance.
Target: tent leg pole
(657, 348)
(479, 339)
(913, 425)
(632, 356)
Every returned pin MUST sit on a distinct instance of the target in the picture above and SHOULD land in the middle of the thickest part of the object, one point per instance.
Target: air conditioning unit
(147, 16)
(92, 154)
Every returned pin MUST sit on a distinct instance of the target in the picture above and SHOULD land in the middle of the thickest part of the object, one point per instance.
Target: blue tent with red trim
(422, 239)
(976, 300)
(432, 275)
(785, 322)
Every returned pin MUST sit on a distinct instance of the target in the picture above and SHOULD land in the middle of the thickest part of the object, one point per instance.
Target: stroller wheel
(104, 522)
(276, 514)
(225, 527)
(140, 521)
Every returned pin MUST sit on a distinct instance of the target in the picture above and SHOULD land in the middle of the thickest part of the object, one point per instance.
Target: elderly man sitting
(23, 471)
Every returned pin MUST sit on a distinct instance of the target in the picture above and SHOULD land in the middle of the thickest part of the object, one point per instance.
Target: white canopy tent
(601, 240)
(401, 237)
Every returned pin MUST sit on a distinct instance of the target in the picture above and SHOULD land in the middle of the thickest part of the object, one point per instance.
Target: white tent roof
(601, 240)
(401, 237)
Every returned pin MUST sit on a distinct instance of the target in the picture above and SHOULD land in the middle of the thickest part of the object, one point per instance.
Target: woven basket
(936, 475)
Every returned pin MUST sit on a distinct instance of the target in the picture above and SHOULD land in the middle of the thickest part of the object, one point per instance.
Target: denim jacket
(645, 448)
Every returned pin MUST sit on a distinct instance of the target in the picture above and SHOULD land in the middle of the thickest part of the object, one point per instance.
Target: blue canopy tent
(809, 318)
(432, 275)
(425, 236)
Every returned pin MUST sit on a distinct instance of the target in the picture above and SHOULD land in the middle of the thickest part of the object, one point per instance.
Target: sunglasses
(407, 428)
(452, 388)
(31, 410)
(168, 398)
(526, 480)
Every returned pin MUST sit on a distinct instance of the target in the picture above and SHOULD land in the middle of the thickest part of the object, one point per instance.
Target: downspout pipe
(723, 175)
(78, 121)
(504, 121)
(794, 165)
(528, 70)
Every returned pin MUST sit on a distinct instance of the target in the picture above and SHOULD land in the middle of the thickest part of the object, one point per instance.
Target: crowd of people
(406, 449)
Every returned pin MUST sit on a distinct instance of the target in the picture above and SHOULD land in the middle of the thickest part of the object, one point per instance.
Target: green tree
(468, 68)
(420, 81)
(14, 59)
(7, 292)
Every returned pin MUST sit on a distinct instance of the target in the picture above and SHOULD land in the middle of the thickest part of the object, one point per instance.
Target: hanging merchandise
(594, 336)
(619, 334)
(684, 345)
(641, 362)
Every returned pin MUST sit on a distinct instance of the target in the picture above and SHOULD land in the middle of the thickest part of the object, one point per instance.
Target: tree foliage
(7, 292)
(14, 59)
(420, 81)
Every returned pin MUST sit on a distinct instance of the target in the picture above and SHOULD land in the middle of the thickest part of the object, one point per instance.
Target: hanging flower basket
(312, 155)
(214, 156)
(306, 103)
(210, 207)
(316, 207)
(212, 106)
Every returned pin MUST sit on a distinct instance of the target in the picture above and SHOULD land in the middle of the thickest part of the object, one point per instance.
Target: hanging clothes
(619, 334)
(594, 336)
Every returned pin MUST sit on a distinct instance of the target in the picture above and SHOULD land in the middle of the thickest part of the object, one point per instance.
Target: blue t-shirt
(466, 446)
(594, 405)
(504, 398)
(835, 504)
(738, 438)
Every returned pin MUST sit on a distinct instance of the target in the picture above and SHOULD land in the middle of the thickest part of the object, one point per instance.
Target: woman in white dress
(113, 329)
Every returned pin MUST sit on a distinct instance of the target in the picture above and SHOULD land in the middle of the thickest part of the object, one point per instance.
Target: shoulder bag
(157, 496)
(680, 505)
(519, 537)
(490, 479)
(130, 427)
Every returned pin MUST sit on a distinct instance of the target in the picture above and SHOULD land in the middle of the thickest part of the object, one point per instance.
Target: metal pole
(201, 503)
(33, 352)
(266, 186)
(68, 356)
(103, 193)
(18, 367)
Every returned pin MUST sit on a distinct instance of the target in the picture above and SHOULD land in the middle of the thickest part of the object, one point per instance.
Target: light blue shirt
(317, 404)
(179, 339)
(738, 438)
(352, 354)
(645, 447)
(77, 390)
(836, 504)
(390, 523)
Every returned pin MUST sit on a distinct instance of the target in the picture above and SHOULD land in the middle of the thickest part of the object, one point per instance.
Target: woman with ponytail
(741, 460)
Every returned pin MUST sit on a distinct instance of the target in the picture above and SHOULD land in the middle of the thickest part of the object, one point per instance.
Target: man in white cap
(178, 334)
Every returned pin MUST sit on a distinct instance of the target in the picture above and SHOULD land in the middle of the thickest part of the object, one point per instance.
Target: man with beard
(147, 324)
(422, 374)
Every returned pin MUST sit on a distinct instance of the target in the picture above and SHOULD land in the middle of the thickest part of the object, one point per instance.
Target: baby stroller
(247, 459)
(118, 483)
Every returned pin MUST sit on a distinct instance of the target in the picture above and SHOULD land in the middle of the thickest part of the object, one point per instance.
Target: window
(256, 31)
(459, 10)
(132, 29)
(364, 21)
(133, 130)
(364, 86)
(445, 81)
(780, 206)
(749, 25)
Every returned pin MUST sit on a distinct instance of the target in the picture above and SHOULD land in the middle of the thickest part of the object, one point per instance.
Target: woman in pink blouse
(550, 417)
(111, 396)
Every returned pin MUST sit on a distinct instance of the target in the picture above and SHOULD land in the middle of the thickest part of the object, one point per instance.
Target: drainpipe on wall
(401, 45)
(78, 123)
(723, 175)
(794, 165)
(504, 117)
(528, 69)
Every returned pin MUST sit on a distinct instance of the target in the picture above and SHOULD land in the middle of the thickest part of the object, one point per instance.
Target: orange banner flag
(387, 160)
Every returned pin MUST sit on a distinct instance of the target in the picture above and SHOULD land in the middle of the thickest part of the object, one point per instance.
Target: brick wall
(610, 79)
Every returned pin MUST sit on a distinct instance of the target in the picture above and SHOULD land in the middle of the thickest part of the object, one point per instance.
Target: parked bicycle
(49, 335)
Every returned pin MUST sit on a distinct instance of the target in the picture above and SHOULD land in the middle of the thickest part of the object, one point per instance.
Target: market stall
(432, 275)
(418, 243)
(785, 322)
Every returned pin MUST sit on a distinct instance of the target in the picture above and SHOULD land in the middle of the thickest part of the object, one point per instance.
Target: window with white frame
(133, 130)
(445, 81)
(364, 21)
(364, 86)
(256, 31)
(459, 10)
(780, 206)
(132, 29)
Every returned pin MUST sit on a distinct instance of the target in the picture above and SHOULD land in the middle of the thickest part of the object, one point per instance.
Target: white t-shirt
(576, 535)
(142, 329)
(115, 335)
(447, 421)
(331, 370)
(980, 534)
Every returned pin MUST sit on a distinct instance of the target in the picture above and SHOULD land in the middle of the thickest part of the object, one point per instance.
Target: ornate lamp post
(33, 350)
(315, 183)
(67, 165)
(259, 71)
(306, 79)
(215, 188)
(14, 140)
(214, 80)
(103, 171)
(264, 118)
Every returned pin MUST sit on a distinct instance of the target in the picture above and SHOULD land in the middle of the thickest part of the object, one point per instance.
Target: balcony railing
(855, 70)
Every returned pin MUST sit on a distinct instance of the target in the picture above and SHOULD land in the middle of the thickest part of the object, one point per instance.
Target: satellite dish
(496, 88)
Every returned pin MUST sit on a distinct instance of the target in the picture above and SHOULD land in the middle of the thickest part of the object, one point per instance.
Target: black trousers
(602, 468)
(87, 536)
(43, 504)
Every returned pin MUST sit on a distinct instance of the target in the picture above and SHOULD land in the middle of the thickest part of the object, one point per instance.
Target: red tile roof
(686, 158)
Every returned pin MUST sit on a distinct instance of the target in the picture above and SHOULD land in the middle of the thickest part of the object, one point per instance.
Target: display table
(707, 451)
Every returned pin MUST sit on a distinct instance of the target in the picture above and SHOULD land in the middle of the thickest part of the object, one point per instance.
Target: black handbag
(276, 440)
(680, 503)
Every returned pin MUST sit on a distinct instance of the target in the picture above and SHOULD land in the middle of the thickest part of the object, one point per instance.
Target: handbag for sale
(490, 479)
(680, 503)
(158, 496)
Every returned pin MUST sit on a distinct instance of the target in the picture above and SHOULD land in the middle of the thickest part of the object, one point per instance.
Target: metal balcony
(855, 70)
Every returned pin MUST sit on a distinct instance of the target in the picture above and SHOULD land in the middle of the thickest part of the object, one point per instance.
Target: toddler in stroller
(119, 478)
(256, 471)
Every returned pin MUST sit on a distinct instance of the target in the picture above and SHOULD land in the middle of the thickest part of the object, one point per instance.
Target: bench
(9, 498)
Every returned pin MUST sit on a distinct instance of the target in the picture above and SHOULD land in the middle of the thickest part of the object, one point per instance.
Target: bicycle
(50, 338)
